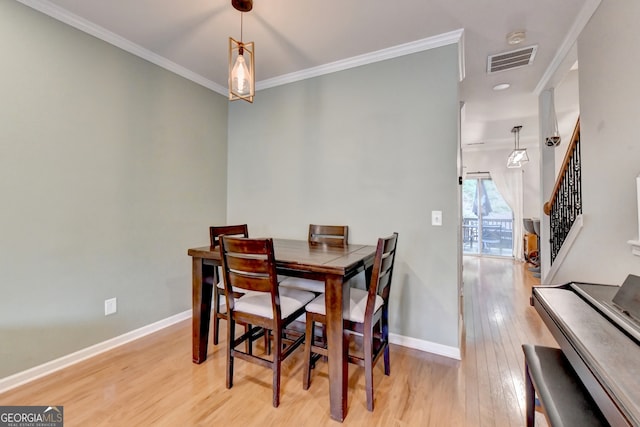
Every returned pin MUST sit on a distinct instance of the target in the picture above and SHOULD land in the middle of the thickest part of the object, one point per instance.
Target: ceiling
(296, 37)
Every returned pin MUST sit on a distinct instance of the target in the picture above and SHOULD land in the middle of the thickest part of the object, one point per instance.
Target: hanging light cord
(241, 44)
(516, 136)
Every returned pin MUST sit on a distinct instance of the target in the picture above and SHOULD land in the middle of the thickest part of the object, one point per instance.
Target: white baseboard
(47, 368)
(52, 366)
(428, 346)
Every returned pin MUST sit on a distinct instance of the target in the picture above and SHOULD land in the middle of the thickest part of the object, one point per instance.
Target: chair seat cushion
(303, 284)
(357, 305)
(259, 303)
(223, 299)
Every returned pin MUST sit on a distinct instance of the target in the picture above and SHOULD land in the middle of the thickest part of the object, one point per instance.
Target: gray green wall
(374, 147)
(110, 169)
(609, 93)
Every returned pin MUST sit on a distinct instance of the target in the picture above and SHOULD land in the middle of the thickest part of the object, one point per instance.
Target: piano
(598, 330)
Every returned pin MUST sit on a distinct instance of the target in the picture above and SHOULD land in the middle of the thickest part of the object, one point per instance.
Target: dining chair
(218, 285)
(368, 316)
(329, 235)
(249, 264)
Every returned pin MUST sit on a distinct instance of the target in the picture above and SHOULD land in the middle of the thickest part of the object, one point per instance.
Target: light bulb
(240, 77)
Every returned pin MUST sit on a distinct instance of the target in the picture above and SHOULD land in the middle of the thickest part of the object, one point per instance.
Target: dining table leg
(336, 302)
(201, 307)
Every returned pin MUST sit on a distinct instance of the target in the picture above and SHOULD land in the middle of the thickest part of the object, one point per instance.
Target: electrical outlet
(436, 217)
(110, 306)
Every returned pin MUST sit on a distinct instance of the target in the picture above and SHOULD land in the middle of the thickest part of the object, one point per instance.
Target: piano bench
(563, 398)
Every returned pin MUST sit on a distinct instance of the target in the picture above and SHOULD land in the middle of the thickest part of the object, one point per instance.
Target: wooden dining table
(298, 258)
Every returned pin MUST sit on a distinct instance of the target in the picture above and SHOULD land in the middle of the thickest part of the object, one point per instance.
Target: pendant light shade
(241, 61)
(519, 155)
(241, 70)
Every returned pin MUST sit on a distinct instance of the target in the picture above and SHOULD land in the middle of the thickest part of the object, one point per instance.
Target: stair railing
(565, 203)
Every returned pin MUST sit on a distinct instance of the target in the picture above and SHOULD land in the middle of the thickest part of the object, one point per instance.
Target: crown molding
(461, 63)
(103, 34)
(587, 11)
(368, 58)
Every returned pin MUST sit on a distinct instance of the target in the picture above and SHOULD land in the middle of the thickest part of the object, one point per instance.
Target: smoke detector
(516, 37)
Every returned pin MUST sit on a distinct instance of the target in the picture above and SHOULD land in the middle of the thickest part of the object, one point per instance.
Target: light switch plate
(436, 217)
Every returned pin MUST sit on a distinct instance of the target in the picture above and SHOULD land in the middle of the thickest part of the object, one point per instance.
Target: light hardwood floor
(152, 381)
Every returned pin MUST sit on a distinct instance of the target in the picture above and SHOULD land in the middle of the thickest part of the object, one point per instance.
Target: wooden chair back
(382, 273)
(230, 230)
(249, 264)
(218, 291)
(330, 235)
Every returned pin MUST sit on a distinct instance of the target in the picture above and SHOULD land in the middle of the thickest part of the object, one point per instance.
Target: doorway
(487, 220)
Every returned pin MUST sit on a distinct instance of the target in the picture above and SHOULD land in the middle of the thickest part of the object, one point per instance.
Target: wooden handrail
(565, 163)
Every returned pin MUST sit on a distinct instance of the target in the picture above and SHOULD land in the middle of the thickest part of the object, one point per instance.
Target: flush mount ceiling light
(519, 155)
(516, 37)
(501, 86)
(241, 61)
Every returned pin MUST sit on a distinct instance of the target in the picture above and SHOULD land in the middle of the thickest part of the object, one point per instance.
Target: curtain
(509, 183)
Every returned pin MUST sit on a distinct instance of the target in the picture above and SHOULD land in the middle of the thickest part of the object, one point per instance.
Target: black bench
(563, 398)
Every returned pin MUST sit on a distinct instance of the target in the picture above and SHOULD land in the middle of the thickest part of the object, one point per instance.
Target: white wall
(609, 92)
(110, 169)
(364, 148)
(567, 97)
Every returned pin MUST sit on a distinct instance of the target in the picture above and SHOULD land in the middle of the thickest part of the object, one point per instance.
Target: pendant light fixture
(552, 139)
(241, 60)
(518, 155)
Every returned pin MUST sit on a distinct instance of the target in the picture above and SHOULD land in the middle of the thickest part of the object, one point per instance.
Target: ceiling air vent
(510, 60)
